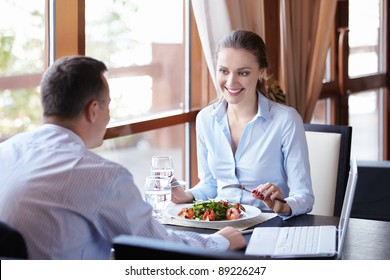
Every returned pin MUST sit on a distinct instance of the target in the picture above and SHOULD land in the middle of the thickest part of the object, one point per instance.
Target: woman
(249, 139)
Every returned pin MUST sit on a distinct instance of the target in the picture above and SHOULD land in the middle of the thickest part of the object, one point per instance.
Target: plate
(250, 212)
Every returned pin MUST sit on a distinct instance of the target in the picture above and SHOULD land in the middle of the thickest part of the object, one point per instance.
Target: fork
(239, 186)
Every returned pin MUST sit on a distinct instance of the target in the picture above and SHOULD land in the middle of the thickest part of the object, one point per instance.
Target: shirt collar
(263, 108)
(61, 129)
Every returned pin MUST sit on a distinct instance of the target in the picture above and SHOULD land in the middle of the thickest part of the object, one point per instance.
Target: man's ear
(91, 110)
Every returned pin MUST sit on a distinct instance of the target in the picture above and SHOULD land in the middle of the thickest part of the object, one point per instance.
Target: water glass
(162, 166)
(158, 194)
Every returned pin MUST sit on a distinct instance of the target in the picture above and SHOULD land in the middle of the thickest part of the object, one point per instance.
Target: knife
(241, 187)
(178, 183)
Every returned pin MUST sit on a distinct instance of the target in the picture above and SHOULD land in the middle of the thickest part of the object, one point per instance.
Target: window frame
(342, 86)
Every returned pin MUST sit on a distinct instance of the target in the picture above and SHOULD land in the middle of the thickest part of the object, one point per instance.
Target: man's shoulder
(95, 158)
(103, 170)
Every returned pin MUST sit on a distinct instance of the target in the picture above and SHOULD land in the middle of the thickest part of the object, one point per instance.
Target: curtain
(247, 14)
(216, 18)
(305, 38)
(212, 20)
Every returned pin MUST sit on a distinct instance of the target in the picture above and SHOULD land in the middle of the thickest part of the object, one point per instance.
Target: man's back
(52, 190)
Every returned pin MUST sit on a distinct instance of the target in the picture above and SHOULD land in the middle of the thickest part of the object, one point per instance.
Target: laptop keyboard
(297, 240)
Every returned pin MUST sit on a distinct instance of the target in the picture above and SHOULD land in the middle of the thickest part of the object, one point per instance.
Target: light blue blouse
(272, 148)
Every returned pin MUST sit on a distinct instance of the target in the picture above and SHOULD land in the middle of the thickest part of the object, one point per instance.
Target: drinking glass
(162, 166)
(158, 194)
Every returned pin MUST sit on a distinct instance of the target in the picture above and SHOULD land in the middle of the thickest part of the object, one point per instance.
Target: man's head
(75, 94)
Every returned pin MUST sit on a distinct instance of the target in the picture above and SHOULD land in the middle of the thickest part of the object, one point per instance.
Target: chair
(12, 244)
(329, 155)
(372, 196)
(127, 247)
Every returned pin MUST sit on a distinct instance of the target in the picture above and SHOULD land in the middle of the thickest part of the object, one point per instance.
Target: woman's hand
(267, 193)
(179, 195)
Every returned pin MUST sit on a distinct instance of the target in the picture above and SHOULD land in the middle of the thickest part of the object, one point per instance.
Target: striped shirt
(69, 203)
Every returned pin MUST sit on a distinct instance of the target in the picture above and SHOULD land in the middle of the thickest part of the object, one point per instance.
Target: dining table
(366, 239)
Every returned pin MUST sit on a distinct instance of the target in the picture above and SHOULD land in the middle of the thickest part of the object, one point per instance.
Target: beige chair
(329, 155)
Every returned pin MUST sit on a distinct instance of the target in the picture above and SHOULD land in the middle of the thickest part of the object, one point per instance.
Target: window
(22, 61)
(365, 37)
(364, 117)
(135, 151)
(355, 96)
(366, 40)
(144, 49)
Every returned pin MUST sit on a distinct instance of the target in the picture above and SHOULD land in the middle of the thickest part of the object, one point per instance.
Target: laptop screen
(347, 205)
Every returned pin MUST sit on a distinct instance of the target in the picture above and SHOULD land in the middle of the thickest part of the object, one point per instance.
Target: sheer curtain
(213, 22)
(216, 18)
(305, 38)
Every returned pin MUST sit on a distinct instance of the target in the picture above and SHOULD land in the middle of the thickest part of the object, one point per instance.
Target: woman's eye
(244, 73)
(223, 71)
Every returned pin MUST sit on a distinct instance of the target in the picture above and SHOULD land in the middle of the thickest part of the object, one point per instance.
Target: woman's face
(237, 74)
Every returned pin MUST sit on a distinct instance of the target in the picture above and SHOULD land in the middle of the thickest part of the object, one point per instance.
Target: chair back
(12, 244)
(329, 155)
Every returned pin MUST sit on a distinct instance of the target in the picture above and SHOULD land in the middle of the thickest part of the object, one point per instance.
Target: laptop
(306, 241)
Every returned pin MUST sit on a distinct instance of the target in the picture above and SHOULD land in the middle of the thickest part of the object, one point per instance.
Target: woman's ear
(261, 74)
(91, 111)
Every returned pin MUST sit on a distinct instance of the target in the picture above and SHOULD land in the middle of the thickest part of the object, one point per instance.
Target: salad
(212, 211)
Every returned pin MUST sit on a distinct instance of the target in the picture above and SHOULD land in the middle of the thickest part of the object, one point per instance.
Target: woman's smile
(234, 91)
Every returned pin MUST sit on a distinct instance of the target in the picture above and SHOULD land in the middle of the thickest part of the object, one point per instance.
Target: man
(66, 201)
